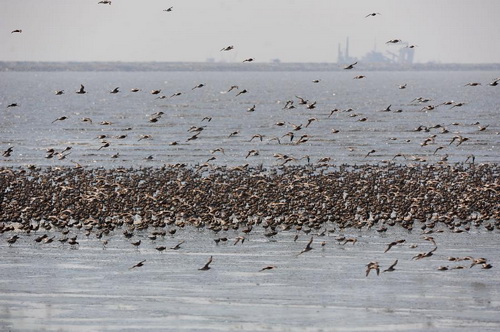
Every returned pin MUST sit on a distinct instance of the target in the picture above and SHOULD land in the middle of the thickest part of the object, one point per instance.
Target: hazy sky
(448, 31)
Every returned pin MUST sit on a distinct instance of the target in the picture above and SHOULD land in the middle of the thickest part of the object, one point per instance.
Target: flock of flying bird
(288, 105)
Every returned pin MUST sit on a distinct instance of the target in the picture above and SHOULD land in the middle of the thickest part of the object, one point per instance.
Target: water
(28, 128)
(53, 287)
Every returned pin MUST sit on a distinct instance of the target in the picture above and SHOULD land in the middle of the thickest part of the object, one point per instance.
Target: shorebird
(372, 266)
(135, 90)
(168, 9)
(232, 88)
(82, 90)
(259, 136)
(227, 48)
(7, 152)
(391, 268)
(105, 2)
(359, 77)
(369, 153)
(16, 31)
(161, 248)
(424, 254)
(12, 240)
(252, 153)
(59, 92)
(206, 266)
(201, 85)
(238, 239)
(393, 41)
(351, 66)
(62, 118)
(308, 247)
(12, 105)
(155, 92)
(241, 92)
(402, 86)
(177, 246)
(115, 90)
(316, 81)
(472, 84)
(249, 60)
(372, 14)
(269, 267)
(495, 82)
(457, 105)
(176, 94)
(392, 244)
(141, 263)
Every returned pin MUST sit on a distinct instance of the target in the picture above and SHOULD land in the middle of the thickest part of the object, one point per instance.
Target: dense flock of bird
(315, 197)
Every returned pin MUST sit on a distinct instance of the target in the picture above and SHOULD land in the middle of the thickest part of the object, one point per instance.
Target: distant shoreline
(20, 66)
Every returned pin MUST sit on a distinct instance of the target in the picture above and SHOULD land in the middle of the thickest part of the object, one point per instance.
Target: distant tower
(347, 49)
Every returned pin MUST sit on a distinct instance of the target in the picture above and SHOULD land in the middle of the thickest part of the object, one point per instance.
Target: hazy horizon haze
(447, 31)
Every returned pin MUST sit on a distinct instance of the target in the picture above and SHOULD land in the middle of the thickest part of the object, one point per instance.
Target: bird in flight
(141, 263)
(249, 60)
(372, 266)
(393, 41)
(201, 85)
(168, 9)
(82, 90)
(308, 247)
(391, 268)
(351, 66)
(16, 31)
(228, 48)
(206, 266)
(372, 14)
(104, 2)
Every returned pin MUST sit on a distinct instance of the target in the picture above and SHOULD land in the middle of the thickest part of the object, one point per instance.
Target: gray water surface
(54, 287)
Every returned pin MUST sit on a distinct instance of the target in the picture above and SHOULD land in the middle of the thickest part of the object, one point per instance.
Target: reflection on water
(54, 287)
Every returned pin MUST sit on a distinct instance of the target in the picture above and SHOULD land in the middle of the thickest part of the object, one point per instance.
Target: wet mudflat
(58, 287)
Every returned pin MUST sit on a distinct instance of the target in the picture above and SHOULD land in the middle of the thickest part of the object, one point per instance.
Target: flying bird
(206, 266)
(351, 66)
(228, 48)
(308, 247)
(168, 9)
(17, 31)
(141, 263)
(391, 268)
(82, 90)
(372, 14)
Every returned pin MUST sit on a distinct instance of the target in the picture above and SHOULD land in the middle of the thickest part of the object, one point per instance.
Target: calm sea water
(28, 128)
(55, 288)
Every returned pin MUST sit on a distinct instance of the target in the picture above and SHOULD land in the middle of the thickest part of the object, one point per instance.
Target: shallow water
(55, 287)
(28, 128)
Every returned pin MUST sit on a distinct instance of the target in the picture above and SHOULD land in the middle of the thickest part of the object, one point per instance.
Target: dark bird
(168, 9)
(249, 60)
(7, 152)
(155, 92)
(136, 244)
(160, 249)
(62, 118)
(369, 153)
(104, 2)
(393, 41)
(391, 268)
(308, 247)
(228, 48)
(392, 244)
(201, 85)
(206, 266)
(269, 267)
(12, 240)
(241, 92)
(177, 246)
(82, 90)
(351, 66)
(16, 31)
(12, 105)
(372, 14)
(115, 90)
(59, 92)
(141, 263)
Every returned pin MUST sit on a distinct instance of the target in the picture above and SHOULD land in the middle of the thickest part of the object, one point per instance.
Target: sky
(445, 31)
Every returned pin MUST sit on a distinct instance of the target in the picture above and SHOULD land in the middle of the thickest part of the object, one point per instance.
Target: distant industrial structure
(404, 56)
